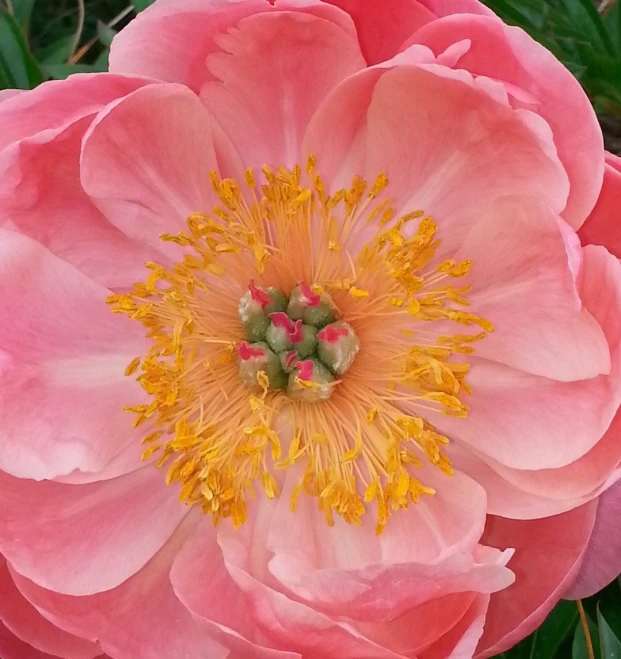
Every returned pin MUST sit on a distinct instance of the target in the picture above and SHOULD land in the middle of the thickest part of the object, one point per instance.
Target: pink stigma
(305, 370)
(332, 334)
(296, 334)
(247, 352)
(259, 295)
(291, 358)
(280, 319)
(311, 299)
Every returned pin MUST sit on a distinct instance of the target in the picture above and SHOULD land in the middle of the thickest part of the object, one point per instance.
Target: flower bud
(256, 357)
(310, 381)
(313, 308)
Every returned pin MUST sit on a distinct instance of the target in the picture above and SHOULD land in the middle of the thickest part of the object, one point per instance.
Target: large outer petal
(532, 73)
(547, 558)
(383, 28)
(602, 560)
(445, 146)
(13, 647)
(172, 39)
(140, 619)
(603, 226)
(62, 360)
(146, 161)
(272, 73)
(82, 539)
(31, 627)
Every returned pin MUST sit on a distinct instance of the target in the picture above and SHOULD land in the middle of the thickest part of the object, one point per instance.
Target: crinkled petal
(539, 581)
(82, 539)
(271, 74)
(529, 71)
(62, 355)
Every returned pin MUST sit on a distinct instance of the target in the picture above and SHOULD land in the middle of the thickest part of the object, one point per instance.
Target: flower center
(294, 342)
(303, 331)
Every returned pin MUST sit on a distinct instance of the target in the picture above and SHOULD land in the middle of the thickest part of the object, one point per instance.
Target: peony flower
(303, 351)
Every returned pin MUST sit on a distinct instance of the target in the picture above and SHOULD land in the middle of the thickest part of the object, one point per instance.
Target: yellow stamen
(359, 449)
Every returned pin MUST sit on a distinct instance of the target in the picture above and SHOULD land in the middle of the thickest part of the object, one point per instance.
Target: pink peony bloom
(191, 465)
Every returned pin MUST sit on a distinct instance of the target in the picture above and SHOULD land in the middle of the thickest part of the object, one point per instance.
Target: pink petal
(602, 225)
(460, 642)
(82, 539)
(41, 196)
(59, 103)
(521, 282)
(448, 7)
(602, 560)
(403, 121)
(146, 161)
(201, 581)
(6, 94)
(32, 628)
(172, 39)
(382, 29)
(271, 74)
(63, 354)
(547, 557)
(11, 647)
(509, 55)
(596, 401)
(140, 619)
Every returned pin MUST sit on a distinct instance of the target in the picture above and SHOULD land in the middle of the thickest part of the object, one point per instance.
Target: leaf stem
(585, 628)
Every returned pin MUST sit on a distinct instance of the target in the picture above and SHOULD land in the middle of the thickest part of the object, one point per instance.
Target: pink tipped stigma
(311, 298)
(259, 295)
(332, 334)
(280, 319)
(305, 370)
(247, 352)
(291, 358)
(296, 334)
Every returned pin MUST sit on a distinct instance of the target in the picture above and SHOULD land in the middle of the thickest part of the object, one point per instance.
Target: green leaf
(579, 648)
(22, 10)
(589, 22)
(58, 52)
(141, 5)
(610, 644)
(62, 71)
(18, 67)
(555, 628)
(105, 33)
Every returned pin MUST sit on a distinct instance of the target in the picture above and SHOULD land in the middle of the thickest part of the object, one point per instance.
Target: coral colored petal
(521, 282)
(272, 73)
(171, 40)
(32, 628)
(6, 94)
(570, 418)
(603, 226)
(201, 581)
(63, 354)
(540, 582)
(382, 28)
(460, 642)
(59, 103)
(402, 121)
(509, 55)
(41, 196)
(146, 161)
(11, 647)
(89, 537)
(140, 619)
(602, 560)
(448, 7)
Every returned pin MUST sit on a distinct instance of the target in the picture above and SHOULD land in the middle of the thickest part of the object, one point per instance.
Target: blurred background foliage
(51, 39)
